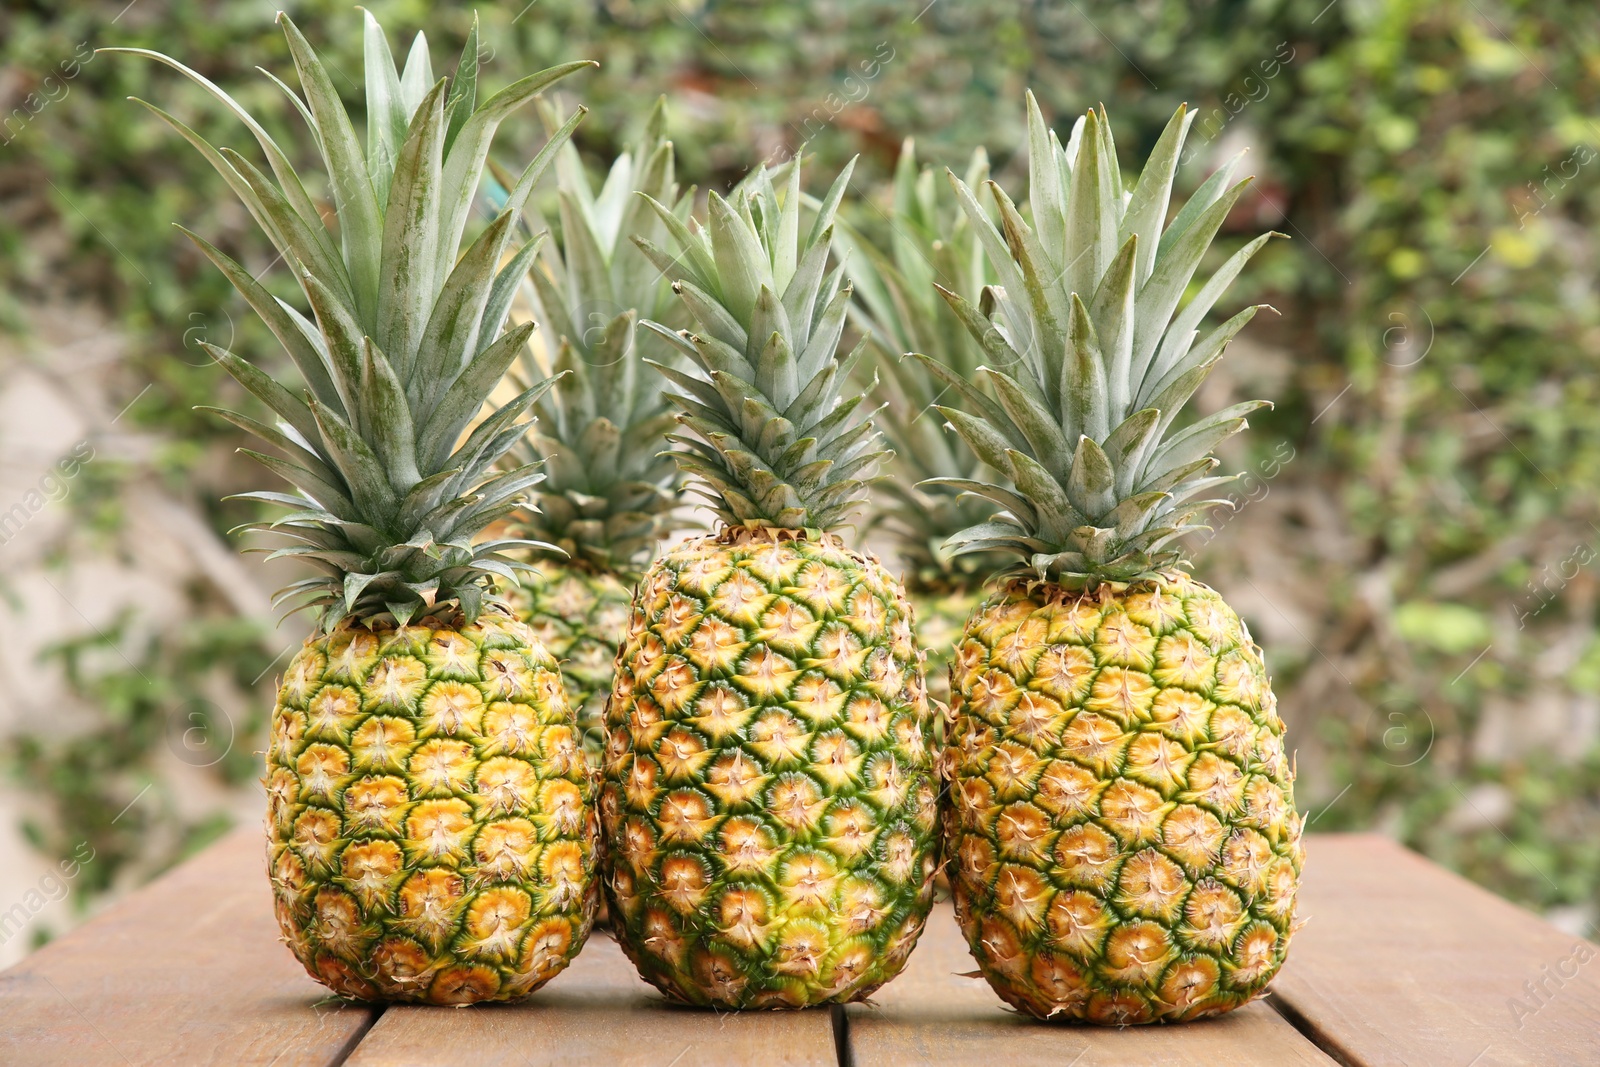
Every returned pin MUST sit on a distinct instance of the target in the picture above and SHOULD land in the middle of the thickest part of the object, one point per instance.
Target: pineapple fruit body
(431, 829)
(579, 615)
(769, 797)
(1123, 841)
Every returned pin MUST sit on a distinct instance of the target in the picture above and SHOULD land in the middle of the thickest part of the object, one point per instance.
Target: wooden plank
(597, 1011)
(187, 970)
(1403, 962)
(932, 1015)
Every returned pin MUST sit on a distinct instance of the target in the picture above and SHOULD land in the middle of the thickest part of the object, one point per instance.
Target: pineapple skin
(1123, 841)
(770, 796)
(580, 615)
(432, 834)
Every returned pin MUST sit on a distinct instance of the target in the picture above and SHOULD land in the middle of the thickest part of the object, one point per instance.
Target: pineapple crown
(404, 342)
(773, 443)
(1091, 359)
(609, 489)
(898, 307)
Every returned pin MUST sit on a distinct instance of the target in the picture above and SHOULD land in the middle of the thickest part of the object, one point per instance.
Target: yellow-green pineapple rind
(580, 616)
(1123, 840)
(769, 791)
(431, 827)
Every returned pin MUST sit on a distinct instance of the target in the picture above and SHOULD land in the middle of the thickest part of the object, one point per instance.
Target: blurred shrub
(109, 792)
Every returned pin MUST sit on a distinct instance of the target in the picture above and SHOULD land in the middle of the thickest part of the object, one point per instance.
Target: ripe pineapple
(609, 490)
(929, 241)
(769, 794)
(1124, 843)
(431, 829)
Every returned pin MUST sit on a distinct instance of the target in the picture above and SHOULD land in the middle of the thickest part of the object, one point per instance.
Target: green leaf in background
(1448, 628)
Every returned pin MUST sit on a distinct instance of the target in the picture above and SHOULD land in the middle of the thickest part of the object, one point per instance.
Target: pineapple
(610, 488)
(929, 240)
(1122, 832)
(769, 798)
(431, 829)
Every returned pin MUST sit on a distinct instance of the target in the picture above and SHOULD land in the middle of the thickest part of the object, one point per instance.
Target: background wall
(1417, 542)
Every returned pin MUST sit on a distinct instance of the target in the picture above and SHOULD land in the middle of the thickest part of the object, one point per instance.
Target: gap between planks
(841, 1035)
(355, 1039)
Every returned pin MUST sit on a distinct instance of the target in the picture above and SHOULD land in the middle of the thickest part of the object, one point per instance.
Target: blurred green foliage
(107, 792)
(1434, 163)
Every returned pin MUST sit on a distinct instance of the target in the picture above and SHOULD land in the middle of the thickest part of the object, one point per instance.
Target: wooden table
(1401, 963)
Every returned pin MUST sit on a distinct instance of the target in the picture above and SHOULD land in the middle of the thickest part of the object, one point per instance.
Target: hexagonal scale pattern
(1123, 841)
(769, 797)
(432, 834)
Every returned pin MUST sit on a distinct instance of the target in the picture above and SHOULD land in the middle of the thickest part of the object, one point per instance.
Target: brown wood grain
(188, 970)
(597, 1011)
(1403, 962)
(932, 1015)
